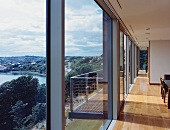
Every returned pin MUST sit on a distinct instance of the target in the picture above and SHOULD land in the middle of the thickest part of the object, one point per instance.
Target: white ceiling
(139, 15)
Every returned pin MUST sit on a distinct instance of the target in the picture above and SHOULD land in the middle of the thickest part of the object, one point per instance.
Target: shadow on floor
(142, 75)
(148, 114)
(145, 120)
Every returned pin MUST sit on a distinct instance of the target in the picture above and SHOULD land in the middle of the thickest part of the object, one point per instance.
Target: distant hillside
(81, 65)
(33, 64)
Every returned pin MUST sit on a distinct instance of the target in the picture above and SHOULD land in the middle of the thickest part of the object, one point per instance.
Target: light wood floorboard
(144, 108)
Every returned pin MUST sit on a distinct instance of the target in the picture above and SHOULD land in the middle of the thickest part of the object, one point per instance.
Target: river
(8, 77)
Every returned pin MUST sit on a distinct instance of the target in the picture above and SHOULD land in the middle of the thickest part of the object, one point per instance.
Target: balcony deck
(96, 106)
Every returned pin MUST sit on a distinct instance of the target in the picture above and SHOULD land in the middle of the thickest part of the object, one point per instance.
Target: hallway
(144, 108)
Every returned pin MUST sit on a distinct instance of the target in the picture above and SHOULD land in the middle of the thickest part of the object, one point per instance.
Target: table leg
(169, 98)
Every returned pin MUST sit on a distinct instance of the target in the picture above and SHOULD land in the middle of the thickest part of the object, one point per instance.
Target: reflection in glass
(130, 63)
(121, 67)
(125, 66)
(86, 66)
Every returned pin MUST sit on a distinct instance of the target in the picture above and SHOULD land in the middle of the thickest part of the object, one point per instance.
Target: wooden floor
(144, 108)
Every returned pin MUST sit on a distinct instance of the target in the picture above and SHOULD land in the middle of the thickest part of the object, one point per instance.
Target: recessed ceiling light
(148, 29)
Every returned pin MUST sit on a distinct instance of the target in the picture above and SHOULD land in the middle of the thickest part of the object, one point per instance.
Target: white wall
(159, 60)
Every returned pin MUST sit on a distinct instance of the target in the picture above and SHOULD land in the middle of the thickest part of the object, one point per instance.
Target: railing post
(168, 98)
(86, 77)
(71, 95)
(97, 82)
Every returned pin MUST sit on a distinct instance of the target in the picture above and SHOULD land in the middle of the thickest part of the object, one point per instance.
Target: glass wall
(125, 65)
(22, 65)
(143, 59)
(130, 63)
(135, 73)
(137, 60)
(87, 40)
(133, 62)
(121, 67)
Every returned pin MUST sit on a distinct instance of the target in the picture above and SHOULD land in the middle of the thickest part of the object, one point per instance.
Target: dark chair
(161, 84)
(164, 90)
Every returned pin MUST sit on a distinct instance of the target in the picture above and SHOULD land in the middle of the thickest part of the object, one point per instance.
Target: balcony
(88, 96)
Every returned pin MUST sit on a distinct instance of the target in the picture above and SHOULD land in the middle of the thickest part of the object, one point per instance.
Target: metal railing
(83, 88)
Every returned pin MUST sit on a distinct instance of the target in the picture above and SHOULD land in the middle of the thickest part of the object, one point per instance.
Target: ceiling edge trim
(120, 20)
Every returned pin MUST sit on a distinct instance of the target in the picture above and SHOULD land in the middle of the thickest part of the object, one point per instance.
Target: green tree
(39, 112)
(81, 69)
(15, 95)
(41, 96)
(18, 114)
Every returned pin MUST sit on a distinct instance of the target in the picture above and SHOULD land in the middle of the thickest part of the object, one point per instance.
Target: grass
(66, 114)
(79, 124)
(84, 125)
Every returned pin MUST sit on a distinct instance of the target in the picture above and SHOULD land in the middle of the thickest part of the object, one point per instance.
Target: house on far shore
(2, 68)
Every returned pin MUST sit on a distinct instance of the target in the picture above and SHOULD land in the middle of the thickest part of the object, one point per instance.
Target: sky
(22, 28)
(83, 24)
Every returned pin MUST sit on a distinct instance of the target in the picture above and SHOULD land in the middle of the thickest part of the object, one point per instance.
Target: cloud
(86, 19)
(22, 27)
(23, 22)
(83, 28)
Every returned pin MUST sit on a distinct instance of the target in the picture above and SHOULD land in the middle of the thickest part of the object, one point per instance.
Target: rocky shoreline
(25, 73)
